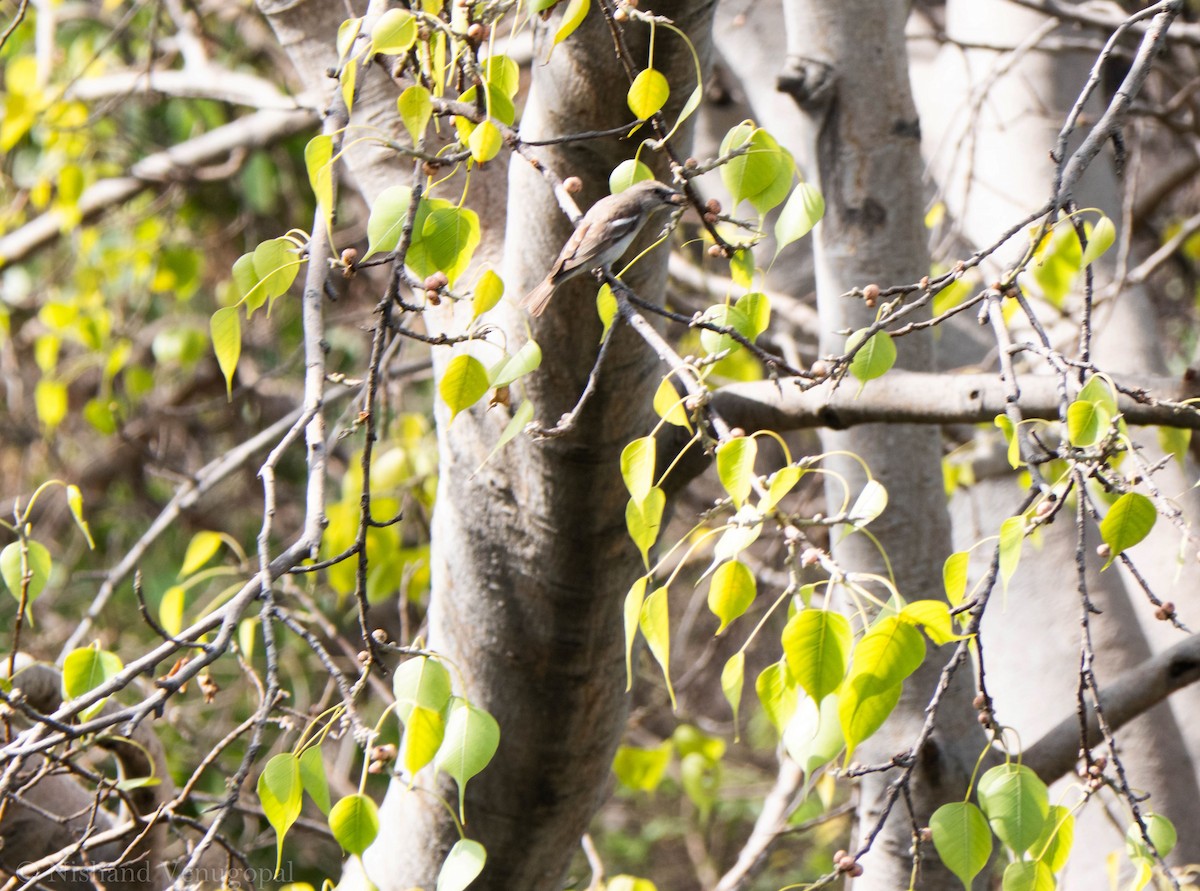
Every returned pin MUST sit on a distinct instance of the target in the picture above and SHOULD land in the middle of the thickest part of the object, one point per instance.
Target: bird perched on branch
(602, 236)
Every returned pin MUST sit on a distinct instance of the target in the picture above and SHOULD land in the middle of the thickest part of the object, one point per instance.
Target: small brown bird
(602, 236)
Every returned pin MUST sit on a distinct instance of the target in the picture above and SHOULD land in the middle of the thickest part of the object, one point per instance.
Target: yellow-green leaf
(1128, 521)
(669, 406)
(226, 328)
(464, 383)
(1104, 233)
(577, 10)
(816, 645)
(733, 678)
(281, 794)
(485, 142)
(202, 548)
(954, 576)
(395, 32)
(416, 108)
(656, 628)
(386, 222)
(50, 400)
(488, 291)
(731, 591)
(643, 518)
(648, 93)
(354, 822)
(632, 612)
(963, 839)
(803, 210)
(875, 358)
(1012, 535)
(637, 466)
(627, 173)
(462, 865)
(735, 467)
(35, 563)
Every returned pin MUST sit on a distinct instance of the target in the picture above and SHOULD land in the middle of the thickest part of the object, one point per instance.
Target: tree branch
(930, 398)
(1132, 694)
(174, 164)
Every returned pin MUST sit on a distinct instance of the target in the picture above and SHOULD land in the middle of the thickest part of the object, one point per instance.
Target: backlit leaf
(281, 795)
(731, 592)
(875, 358)
(471, 739)
(1128, 521)
(35, 562)
(386, 222)
(462, 865)
(735, 467)
(354, 822)
(963, 839)
(648, 93)
(816, 645)
(464, 383)
(655, 625)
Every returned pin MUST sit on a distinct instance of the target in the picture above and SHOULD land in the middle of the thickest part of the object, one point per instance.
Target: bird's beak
(678, 199)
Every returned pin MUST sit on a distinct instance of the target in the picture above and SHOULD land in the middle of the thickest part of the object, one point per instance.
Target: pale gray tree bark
(848, 70)
(993, 166)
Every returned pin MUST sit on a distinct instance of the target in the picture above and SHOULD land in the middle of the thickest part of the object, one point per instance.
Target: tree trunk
(848, 69)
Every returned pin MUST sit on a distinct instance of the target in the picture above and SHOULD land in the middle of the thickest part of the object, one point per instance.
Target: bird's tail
(535, 301)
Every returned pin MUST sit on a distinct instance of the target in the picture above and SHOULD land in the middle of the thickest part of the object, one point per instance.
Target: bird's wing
(588, 242)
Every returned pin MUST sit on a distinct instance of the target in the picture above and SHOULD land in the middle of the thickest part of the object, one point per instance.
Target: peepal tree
(932, 609)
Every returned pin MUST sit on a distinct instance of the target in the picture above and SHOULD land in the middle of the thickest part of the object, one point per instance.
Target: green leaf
(643, 519)
(472, 737)
(1161, 831)
(1012, 537)
(954, 576)
(781, 483)
(637, 466)
(963, 839)
(876, 357)
(627, 173)
(629, 883)
(1010, 436)
(1016, 803)
(395, 32)
(724, 316)
(503, 73)
(281, 794)
(742, 533)
(934, 617)
(813, 737)
(861, 714)
(449, 236)
(386, 222)
(462, 865)
(802, 211)
(648, 93)
(888, 653)
(312, 777)
(870, 503)
(733, 678)
(355, 823)
(520, 420)
(347, 33)
(1053, 846)
(318, 161)
(632, 612)
(36, 562)
(763, 174)
(87, 668)
(655, 625)
(741, 267)
(245, 282)
(642, 769)
(1059, 259)
(606, 309)
(1104, 233)
(50, 400)
(669, 406)
(526, 360)
(276, 266)
(488, 291)
(816, 645)
(1128, 521)
(778, 693)
(577, 10)
(731, 592)
(735, 467)
(1100, 389)
(416, 108)
(1027, 875)
(464, 383)
(420, 682)
(1087, 423)
(170, 609)
(226, 329)
(755, 308)
(485, 142)
(202, 548)
(424, 729)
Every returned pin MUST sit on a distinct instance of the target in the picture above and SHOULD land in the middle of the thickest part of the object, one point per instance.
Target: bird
(602, 236)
